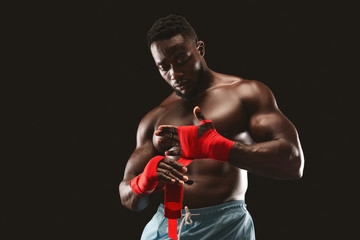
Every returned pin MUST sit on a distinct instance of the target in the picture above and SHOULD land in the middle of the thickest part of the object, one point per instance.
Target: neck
(207, 77)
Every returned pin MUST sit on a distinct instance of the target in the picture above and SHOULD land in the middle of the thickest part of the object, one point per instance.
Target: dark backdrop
(82, 78)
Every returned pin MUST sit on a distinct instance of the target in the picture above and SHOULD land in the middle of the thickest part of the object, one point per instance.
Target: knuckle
(166, 160)
(173, 170)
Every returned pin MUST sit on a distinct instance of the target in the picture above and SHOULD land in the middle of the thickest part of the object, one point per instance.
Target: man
(247, 132)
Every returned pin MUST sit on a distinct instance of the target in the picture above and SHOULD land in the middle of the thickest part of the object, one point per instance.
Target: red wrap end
(172, 228)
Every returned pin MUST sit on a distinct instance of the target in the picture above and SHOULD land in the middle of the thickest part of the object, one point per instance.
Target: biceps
(271, 126)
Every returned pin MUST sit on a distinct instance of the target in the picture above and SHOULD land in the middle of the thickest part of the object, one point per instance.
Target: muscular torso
(211, 182)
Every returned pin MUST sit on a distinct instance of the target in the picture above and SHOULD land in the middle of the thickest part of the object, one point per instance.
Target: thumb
(198, 114)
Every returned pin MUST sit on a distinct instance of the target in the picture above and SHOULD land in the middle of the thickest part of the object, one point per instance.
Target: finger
(165, 178)
(168, 175)
(178, 166)
(166, 142)
(198, 114)
(167, 134)
(173, 152)
(172, 172)
(168, 128)
(163, 133)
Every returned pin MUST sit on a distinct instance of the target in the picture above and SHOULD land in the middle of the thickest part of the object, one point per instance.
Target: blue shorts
(226, 221)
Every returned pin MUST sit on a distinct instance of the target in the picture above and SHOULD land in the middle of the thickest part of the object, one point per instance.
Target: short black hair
(169, 26)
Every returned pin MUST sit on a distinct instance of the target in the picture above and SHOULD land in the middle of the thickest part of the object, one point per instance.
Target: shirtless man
(243, 112)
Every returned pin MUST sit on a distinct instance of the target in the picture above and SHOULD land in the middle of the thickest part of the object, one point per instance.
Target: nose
(175, 74)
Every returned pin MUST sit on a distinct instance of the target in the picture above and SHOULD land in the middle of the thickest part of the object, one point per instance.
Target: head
(178, 54)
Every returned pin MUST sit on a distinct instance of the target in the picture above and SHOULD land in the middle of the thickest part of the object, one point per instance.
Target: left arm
(277, 152)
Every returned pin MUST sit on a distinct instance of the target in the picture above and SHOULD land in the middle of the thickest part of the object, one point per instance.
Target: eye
(182, 58)
(164, 67)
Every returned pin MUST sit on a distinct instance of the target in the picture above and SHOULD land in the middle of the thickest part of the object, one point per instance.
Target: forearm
(277, 159)
(130, 200)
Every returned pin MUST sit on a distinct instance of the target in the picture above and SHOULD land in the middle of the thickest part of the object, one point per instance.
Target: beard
(188, 96)
(199, 86)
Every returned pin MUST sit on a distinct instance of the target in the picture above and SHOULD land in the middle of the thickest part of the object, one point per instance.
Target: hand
(169, 138)
(171, 171)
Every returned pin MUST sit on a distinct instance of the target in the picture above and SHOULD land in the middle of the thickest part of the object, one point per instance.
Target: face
(179, 61)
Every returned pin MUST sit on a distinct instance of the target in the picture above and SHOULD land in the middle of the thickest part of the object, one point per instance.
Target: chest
(225, 110)
(228, 115)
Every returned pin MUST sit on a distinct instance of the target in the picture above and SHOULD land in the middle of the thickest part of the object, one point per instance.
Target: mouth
(184, 90)
(182, 86)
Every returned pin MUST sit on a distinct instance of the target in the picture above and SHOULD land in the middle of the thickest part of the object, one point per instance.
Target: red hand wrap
(210, 145)
(173, 203)
(146, 182)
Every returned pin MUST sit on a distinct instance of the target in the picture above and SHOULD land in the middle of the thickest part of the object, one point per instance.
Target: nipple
(189, 182)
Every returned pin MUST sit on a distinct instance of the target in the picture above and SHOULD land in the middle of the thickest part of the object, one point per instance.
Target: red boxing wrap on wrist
(210, 145)
(146, 182)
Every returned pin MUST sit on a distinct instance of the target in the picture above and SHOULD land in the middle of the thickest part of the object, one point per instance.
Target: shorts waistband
(213, 210)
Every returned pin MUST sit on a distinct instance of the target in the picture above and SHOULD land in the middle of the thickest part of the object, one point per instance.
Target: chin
(186, 96)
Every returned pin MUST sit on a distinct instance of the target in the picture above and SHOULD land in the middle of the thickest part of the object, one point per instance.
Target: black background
(81, 78)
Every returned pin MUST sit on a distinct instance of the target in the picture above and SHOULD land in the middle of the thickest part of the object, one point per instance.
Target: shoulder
(254, 94)
(257, 97)
(253, 89)
(239, 84)
(245, 88)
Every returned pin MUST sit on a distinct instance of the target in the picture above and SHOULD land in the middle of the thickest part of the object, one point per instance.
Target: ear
(200, 46)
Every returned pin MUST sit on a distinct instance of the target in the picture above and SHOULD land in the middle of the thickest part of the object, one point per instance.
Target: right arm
(133, 168)
(168, 170)
(144, 151)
